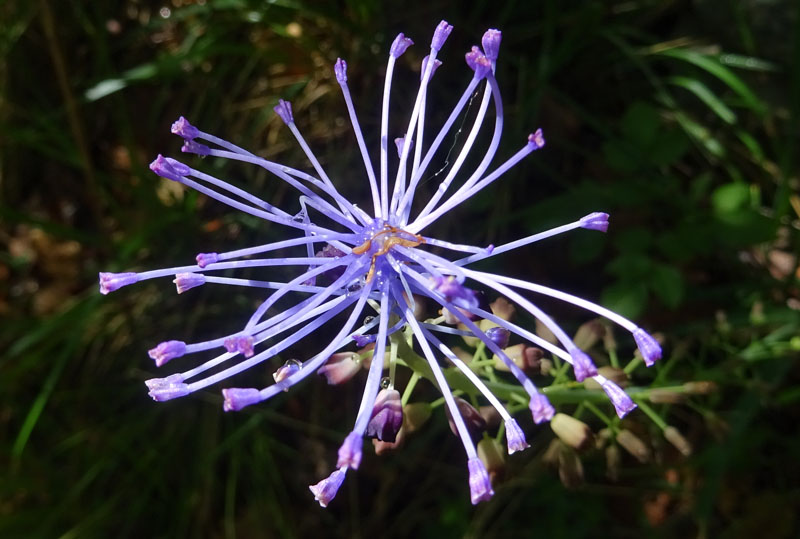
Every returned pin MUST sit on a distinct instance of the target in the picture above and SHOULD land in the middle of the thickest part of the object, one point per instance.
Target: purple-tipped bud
(286, 370)
(582, 365)
(242, 344)
(455, 293)
(187, 281)
(478, 62)
(621, 401)
(541, 408)
(440, 35)
(158, 383)
(350, 451)
(400, 142)
(436, 65)
(166, 351)
(165, 168)
(340, 69)
(476, 424)
(595, 221)
(536, 139)
(191, 146)
(364, 340)
(387, 416)
(204, 259)
(326, 490)
(491, 43)
(284, 110)
(114, 281)
(183, 128)
(499, 336)
(237, 398)
(515, 437)
(480, 488)
(648, 346)
(400, 44)
(340, 368)
(169, 392)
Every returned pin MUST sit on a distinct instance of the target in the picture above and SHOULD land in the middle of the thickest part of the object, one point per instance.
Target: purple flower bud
(476, 424)
(204, 259)
(400, 143)
(284, 110)
(455, 293)
(621, 401)
(340, 69)
(515, 437)
(166, 351)
(350, 451)
(582, 365)
(480, 487)
(400, 44)
(648, 346)
(114, 281)
(537, 139)
(499, 336)
(191, 146)
(440, 35)
(187, 281)
(478, 62)
(158, 383)
(286, 370)
(164, 168)
(326, 490)
(541, 408)
(169, 392)
(364, 340)
(491, 43)
(340, 368)
(183, 128)
(436, 65)
(595, 221)
(387, 416)
(237, 398)
(242, 344)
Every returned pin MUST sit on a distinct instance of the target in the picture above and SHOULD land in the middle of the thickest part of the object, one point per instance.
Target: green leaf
(667, 284)
(640, 124)
(730, 198)
(625, 298)
(705, 95)
(715, 68)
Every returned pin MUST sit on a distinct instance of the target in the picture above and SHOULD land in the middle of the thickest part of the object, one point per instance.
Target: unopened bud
(502, 308)
(680, 443)
(570, 468)
(633, 445)
(665, 396)
(613, 462)
(415, 415)
(615, 374)
(492, 454)
(573, 432)
(700, 388)
(589, 334)
(340, 367)
(476, 425)
(527, 358)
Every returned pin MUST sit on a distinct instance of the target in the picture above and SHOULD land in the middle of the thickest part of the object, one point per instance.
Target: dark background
(680, 118)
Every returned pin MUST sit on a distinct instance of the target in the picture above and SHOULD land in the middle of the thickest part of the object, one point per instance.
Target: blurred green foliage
(679, 118)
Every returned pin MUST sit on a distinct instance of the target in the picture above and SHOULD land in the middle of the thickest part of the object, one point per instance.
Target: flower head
(352, 256)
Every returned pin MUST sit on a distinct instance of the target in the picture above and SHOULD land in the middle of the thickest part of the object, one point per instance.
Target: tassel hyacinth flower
(381, 258)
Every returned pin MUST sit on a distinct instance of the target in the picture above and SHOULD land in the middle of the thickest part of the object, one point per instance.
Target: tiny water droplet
(386, 383)
(368, 319)
(294, 362)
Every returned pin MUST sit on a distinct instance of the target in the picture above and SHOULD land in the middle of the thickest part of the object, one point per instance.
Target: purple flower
(376, 256)
(387, 416)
